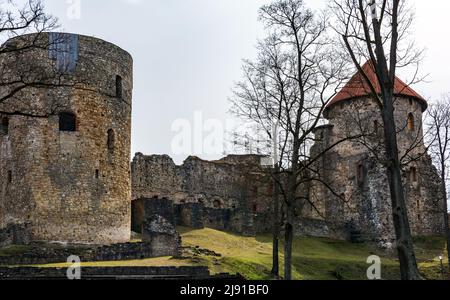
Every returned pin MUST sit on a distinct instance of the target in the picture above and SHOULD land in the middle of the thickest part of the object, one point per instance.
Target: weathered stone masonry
(66, 174)
(231, 194)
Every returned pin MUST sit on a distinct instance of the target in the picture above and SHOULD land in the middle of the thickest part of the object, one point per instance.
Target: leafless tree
(19, 70)
(285, 92)
(439, 125)
(379, 32)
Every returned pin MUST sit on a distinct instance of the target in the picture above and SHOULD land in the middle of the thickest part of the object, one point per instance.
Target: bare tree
(378, 31)
(288, 87)
(22, 31)
(439, 125)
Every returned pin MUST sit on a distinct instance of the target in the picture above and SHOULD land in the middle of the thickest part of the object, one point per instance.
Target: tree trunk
(288, 241)
(445, 210)
(405, 247)
(276, 227)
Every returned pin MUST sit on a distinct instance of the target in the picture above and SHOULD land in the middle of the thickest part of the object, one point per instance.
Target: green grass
(313, 258)
(13, 250)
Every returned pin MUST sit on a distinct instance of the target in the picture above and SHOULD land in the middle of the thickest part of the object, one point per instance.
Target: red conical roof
(357, 87)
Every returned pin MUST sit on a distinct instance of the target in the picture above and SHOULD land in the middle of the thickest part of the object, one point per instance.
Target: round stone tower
(360, 201)
(65, 138)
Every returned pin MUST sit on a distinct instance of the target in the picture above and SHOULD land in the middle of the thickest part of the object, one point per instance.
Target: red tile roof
(357, 87)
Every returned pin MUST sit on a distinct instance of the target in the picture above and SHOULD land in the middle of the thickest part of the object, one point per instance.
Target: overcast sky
(187, 55)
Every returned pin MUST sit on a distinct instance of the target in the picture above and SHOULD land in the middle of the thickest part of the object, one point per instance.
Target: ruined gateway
(234, 193)
(66, 175)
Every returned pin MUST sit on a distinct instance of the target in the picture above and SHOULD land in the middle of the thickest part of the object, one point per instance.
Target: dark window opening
(413, 175)
(9, 177)
(376, 126)
(411, 122)
(67, 122)
(361, 174)
(411, 101)
(4, 127)
(119, 87)
(217, 204)
(255, 208)
(111, 140)
(97, 174)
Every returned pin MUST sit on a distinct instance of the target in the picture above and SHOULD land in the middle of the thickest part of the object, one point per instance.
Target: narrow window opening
(9, 177)
(67, 122)
(376, 126)
(413, 175)
(4, 128)
(97, 174)
(111, 141)
(255, 208)
(411, 101)
(119, 87)
(360, 174)
(411, 122)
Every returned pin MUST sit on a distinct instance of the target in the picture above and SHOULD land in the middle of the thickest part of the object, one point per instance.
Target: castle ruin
(65, 138)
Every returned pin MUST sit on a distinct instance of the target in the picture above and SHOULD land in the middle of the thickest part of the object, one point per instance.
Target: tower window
(119, 87)
(411, 122)
(4, 127)
(413, 174)
(67, 122)
(255, 208)
(361, 174)
(9, 177)
(111, 140)
(97, 174)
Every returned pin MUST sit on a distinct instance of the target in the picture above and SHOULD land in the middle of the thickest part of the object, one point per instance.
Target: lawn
(313, 258)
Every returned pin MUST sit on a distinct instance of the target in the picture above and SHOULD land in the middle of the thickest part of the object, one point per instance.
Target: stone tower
(65, 138)
(360, 202)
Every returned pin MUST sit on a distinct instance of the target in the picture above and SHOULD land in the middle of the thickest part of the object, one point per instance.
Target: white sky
(187, 55)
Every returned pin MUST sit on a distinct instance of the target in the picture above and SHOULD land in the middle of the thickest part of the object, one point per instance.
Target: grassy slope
(313, 258)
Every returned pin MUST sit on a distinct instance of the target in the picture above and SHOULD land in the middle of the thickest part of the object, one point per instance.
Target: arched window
(111, 140)
(67, 122)
(411, 122)
(4, 126)
(119, 87)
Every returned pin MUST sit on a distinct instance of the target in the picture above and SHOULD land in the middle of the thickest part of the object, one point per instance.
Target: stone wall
(70, 186)
(155, 220)
(226, 194)
(94, 273)
(15, 234)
